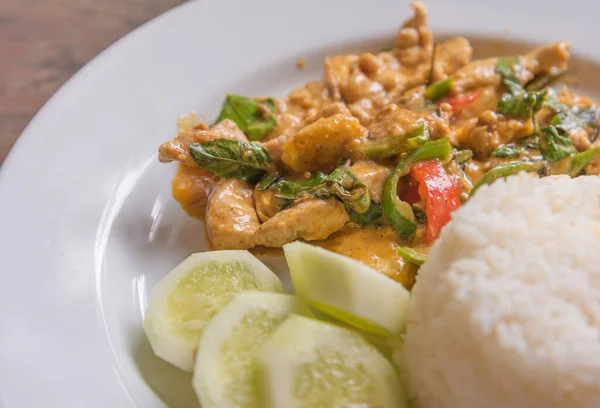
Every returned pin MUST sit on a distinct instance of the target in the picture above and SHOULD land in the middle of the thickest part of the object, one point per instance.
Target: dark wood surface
(44, 42)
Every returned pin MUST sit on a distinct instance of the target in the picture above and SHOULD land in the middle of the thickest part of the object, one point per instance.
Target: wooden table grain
(44, 42)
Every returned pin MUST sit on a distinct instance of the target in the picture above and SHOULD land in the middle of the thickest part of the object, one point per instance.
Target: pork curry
(371, 161)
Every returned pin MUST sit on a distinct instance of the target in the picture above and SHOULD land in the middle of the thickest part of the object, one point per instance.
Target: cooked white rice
(506, 310)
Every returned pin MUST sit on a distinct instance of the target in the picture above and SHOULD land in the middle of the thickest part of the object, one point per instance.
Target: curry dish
(371, 161)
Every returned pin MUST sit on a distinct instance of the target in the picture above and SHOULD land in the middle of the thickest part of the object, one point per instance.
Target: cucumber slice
(347, 289)
(185, 300)
(311, 364)
(224, 375)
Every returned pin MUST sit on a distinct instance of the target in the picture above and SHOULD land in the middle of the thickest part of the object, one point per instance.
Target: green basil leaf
(507, 68)
(517, 102)
(230, 158)
(580, 160)
(344, 184)
(553, 151)
(372, 216)
(568, 118)
(564, 122)
(292, 190)
(386, 49)
(254, 118)
(523, 105)
(506, 152)
(341, 183)
(268, 181)
(588, 116)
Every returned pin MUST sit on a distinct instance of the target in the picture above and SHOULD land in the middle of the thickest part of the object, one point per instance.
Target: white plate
(87, 222)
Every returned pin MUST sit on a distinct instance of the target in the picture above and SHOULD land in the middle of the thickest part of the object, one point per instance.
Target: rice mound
(506, 310)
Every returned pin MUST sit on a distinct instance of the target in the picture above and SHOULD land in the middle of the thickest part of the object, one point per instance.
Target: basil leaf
(568, 118)
(587, 116)
(232, 159)
(386, 49)
(341, 183)
(372, 215)
(517, 101)
(268, 181)
(291, 190)
(553, 151)
(344, 184)
(521, 105)
(507, 67)
(506, 152)
(580, 160)
(439, 89)
(254, 118)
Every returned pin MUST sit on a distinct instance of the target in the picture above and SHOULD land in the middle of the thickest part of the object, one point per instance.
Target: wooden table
(44, 42)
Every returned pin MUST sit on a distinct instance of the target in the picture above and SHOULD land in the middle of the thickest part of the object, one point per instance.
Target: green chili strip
(439, 89)
(412, 256)
(399, 213)
(580, 160)
(394, 145)
(505, 170)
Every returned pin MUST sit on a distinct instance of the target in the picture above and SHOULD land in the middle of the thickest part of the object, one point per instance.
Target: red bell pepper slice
(461, 101)
(440, 194)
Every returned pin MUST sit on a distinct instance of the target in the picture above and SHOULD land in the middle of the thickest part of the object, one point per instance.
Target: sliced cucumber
(307, 363)
(185, 300)
(224, 374)
(347, 289)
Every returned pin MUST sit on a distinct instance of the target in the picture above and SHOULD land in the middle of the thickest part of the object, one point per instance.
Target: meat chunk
(493, 130)
(450, 56)
(393, 123)
(337, 72)
(375, 247)
(310, 220)
(367, 82)
(313, 95)
(414, 44)
(353, 78)
(580, 139)
(192, 188)
(178, 149)
(321, 145)
(483, 73)
(265, 203)
(374, 175)
(231, 220)
(285, 121)
(275, 146)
